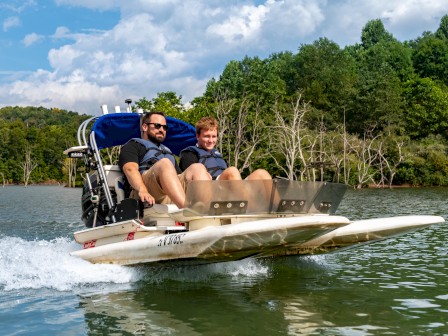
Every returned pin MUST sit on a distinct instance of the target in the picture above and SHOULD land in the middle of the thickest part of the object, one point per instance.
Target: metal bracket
(228, 207)
(324, 207)
(294, 206)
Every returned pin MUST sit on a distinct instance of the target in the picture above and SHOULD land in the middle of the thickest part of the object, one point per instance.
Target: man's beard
(156, 140)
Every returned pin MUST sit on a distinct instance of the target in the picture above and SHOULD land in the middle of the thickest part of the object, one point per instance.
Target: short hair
(147, 116)
(206, 123)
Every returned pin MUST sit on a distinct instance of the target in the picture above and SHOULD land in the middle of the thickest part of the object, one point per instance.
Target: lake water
(393, 287)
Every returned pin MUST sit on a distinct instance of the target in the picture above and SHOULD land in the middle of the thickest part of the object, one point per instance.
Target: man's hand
(145, 196)
(135, 180)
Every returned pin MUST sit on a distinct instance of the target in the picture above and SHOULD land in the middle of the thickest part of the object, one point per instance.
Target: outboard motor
(95, 210)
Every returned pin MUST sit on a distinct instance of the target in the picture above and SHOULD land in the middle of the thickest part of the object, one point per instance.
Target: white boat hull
(366, 231)
(300, 235)
(215, 244)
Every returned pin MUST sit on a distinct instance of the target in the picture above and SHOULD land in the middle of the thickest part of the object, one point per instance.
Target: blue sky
(80, 54)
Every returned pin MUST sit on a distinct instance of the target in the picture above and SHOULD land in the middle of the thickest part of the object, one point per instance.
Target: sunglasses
(157, 126)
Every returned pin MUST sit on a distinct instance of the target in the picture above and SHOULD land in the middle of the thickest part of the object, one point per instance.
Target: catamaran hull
(365, 231)
(263, 238)
(216, 244)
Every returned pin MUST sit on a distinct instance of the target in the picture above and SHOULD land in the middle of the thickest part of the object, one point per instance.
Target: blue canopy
(117, 128)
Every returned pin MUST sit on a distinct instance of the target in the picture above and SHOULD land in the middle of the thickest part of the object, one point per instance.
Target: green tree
(430, 58)
(374, 33)
(46, 131)
(442, 31)
(168, 102)
(426, 108)
(326, 76)
(378, 99)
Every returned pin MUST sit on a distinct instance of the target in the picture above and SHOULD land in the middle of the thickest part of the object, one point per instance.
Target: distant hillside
(39, 134)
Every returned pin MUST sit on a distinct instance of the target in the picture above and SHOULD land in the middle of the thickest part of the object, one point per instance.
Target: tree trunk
(28, 166)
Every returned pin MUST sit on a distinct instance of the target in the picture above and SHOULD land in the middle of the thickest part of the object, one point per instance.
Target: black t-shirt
(134, 151)
(187, 158)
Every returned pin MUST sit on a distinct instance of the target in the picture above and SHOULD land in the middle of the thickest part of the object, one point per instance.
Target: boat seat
(119, 188)
(112, 173)
(159, 215)
(160, 210)
(115, 180)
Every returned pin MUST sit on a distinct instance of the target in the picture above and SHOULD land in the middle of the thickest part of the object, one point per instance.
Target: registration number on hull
(172, 239)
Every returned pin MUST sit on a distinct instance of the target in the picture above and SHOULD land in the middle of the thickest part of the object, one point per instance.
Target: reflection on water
(394, 287)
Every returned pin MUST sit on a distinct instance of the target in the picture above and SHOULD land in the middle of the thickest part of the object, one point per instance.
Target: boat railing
(215, 198)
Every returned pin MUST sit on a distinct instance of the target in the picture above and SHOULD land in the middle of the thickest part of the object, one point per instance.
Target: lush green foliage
(47, 133)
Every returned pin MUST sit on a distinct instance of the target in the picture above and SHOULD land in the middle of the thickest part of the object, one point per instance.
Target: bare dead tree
(223, 111)
(336, 152)
(112, 154)
(346, 167)
(70, 167)
(28, 165)
(381, 166)
(237, 132)
(390, 164)
(318, 158)
(310, 158)
(243, 135)
(288, 134)
(365, 155)
(247, 137)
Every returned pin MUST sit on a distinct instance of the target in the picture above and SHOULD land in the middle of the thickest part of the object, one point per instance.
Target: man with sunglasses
(151, 168)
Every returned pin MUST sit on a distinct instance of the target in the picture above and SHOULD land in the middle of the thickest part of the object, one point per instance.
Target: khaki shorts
(155, 189)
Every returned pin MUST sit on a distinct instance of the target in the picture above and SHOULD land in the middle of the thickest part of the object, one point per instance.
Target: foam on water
(48, 264)
(244, 270)
(247, 268)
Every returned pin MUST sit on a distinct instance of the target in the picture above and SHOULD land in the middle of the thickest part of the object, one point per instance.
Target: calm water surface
(393, 287)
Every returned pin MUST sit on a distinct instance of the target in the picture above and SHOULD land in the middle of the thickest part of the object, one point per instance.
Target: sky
(80, 54)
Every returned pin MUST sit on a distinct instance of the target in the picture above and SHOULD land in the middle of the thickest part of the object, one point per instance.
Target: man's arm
(134, 177)
(128, 161)
(187, 159)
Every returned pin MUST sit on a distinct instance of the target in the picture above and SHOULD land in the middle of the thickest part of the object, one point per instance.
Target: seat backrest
(115, 180)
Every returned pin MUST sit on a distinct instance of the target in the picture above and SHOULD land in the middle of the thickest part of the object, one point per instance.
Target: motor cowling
(95, 210)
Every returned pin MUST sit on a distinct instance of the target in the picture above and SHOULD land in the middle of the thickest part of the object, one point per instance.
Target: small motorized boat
(222, 220)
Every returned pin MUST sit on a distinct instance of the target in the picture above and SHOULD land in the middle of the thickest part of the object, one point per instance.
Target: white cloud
(290, 22)
(62, 33)
(414, 17)
(244, 24)
(11, 22)
(405, 19)
(179, 45)
(45, 89)
(17, 6)
(31, 39)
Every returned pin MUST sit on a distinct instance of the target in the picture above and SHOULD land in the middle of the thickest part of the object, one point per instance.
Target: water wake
(48, 264)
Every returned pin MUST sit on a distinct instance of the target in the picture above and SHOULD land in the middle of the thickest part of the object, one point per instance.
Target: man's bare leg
(167, 178)
(197, 171)
(230, 173)
(202, 192)
(259, 174)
